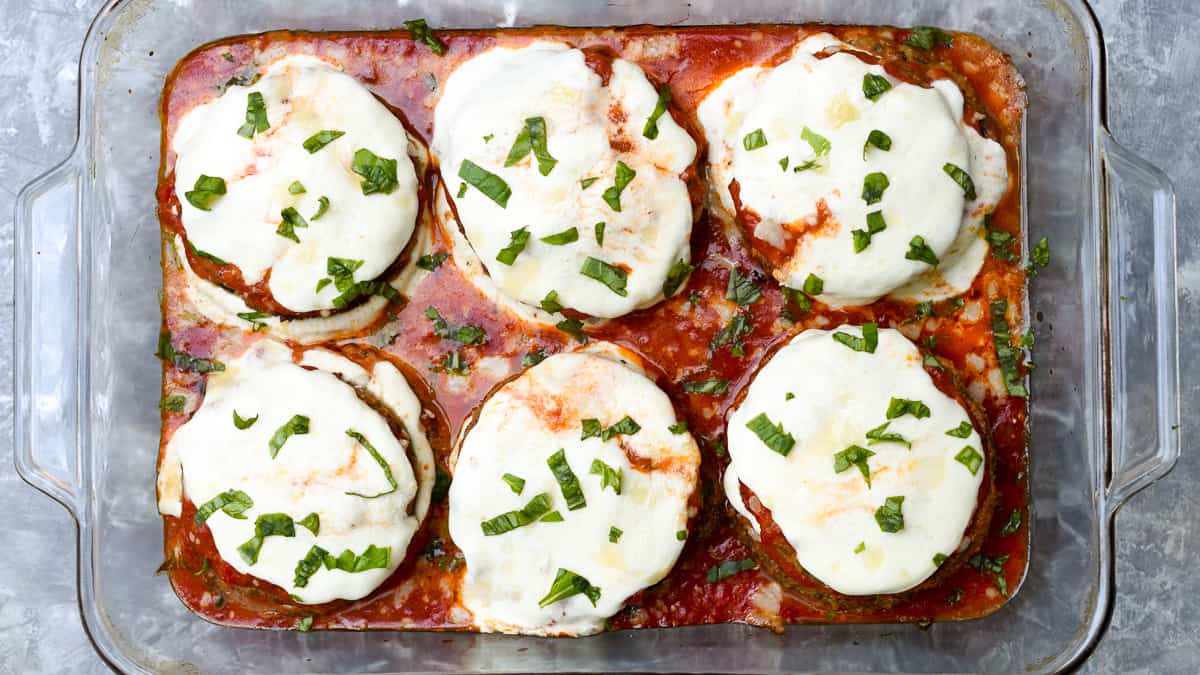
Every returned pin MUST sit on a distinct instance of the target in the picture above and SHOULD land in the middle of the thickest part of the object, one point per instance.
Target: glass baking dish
(1105, 389)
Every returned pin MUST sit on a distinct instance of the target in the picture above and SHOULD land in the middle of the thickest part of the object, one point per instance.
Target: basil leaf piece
(182, 360)
(898, 407)
(291, 219)
(783, 164)
(387, 469)
(462, 191)
(676, 276)
(266, 525)
(550, 303)
(626, 426)
(174, 403)
(875, 225)
(431, 261)
(873, 187)
(585, 183)
(591, 428)
(568, 483)
(754, 140)
(612, 196)
(795, 304)
(928, 37)
(963, 430)
(256, 116)
(296, 426)
(574, 328)
(532, 137)
(342, 270)
(962, 178)
(373, 557)
(732, 333)
(441, 485)
(304, 625)
(772, 435)
(679, 427)
(715, 387)
(378, 173)
(880, 435)
(598, 228)
(514, 483)
(862, 546)
(321, 139)
(970, 458)
(890, 516)
(614, 534)
(867, 343)
(421, 33)
(727, 569)
(613, 277)
(1006, 354)
(205, 254)
(526, 515)
(312, 522)
(819, 144)
(254, 319)
(566, 584)
(918, 250)
(233, 502)
(650, 130)
(567, 236)
(533, 358)
(552, 517)
(609, 477)
(855, 455)
(1039, 256)
(1012, 524)
(365, 288)
(681, 535)
(809, 164)
(467, 335)
(485, 181)
(296, 188)
(242, 422)
(309, 565)
(939, 559)
(878, 139)
(814, 285)
(206, 191)
(874, 86)
(931, 361)
(516, 243)
(322, 207)
(741, 289)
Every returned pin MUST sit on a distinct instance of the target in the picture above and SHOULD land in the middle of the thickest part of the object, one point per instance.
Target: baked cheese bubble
(565, 182)
(571, 492)
(870, 471)
(842, 172)
(300, 482)
(302, 180)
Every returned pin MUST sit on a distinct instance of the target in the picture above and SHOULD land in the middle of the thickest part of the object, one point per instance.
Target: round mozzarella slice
(595, 166)
(790, 153)
(826, 397)
(303, 469)
(271, 179)
(529, 438)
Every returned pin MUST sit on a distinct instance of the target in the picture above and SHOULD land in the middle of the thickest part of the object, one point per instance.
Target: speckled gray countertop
(1153, 81)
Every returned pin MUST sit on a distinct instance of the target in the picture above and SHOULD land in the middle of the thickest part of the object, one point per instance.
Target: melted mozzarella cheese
(303, 96)
(825, 515)
(518, 428)
(483, 108)
(312, 472)
(811, 213)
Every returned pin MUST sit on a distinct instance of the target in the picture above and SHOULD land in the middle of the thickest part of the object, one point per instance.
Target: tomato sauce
(674, 337)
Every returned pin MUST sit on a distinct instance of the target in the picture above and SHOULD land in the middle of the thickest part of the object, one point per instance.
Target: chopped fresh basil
(789, 396)
(754, 140)
(552, 517)
(533, 358)
(679, 427)
(741, 289)
(732, 333)
(296, 426)
(1012, 524)
(309, 565)
(585, 183)
(681, 535)
(814, 285)
(880, 435)
(462, 191)
(898, 407)
(203, 568)
(431, 261)
(486, 182)
(591, 428)
(291, 219)
(718, 447)
(878, 139)
(572, 491)
(772, 435)
(613, 277)
(322, 207)
(526, 515)
(728, 568)
(614, 534)
(795, 303)
(256, 116)
(312, 521)
(174, 403)
(874, 86)
(373, 557)
(233, 502)
(806, 165)
(266, 525)
(890, 516)
(962, 178)
(875, 225)
(321, 139)
(421, 32)
(387, 470)
(566, 584)
(918, 250)
(867, 343)
(694, 299)
(304, 625)
(995, 566)
(516, 243)
(676, 276)
(862, 546)
(365, 288)
(1006, 354)
(873, 187)
(441, 485)
(515, 483)
(626, 426)
(650, 130)
(532, 137)
(609, 477)
(255, 319)
(206, 191)
(963, 430)
(1039, 256)
(562, 238)
(612, 196)
(467, 335)
(928, 37)
(939, 559)
(819, 144)
(242, 422)
(855, 455)
(378, 173)
(598, 228)
(999, 242)
(182, 360)
(342, 270)
(714, 386)
(970, 458)
(783, 164)
(574, 328)
(550, 303)
(296, 188)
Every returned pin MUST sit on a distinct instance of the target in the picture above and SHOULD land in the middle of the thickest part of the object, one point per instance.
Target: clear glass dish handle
(47, 361)
(1140, 215)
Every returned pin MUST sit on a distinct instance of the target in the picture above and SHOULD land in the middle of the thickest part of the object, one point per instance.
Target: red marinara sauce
(674, 337)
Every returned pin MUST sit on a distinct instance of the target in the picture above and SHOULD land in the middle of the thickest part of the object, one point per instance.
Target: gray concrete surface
(1154, 110)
